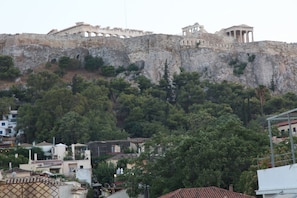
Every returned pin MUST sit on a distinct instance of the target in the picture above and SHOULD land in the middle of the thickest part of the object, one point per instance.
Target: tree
(108, 71)
(93, 63)
(105, 173)
(143, 83)
(205, 155)
(71, 128)
(78, 84)
(7, 69)
(261, 93)
(67, 63)
(5, 104)
(43, 81)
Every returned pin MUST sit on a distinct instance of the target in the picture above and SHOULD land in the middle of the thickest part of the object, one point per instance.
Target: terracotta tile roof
(204, 192)
(286, 123)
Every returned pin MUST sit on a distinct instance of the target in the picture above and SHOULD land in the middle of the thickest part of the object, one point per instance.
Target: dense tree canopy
(202, 133)
(7, 69)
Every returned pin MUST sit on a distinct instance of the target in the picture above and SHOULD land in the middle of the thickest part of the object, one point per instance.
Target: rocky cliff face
(262, 62)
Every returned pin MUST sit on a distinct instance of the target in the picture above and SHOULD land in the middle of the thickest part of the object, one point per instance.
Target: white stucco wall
(277, 180)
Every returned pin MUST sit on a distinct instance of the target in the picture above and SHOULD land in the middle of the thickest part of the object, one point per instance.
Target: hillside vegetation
(202, 133)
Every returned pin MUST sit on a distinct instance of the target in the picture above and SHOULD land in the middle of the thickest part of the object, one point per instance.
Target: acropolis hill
(213, 55)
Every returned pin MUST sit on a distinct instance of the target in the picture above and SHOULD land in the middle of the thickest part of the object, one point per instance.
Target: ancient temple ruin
(87, 30)
(241, 33)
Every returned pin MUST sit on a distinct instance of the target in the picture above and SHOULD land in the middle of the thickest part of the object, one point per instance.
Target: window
(1, 132)
(2, 123)
(81, 166)
(294, 129)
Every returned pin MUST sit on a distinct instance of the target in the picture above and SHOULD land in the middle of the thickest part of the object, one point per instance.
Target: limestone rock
(209, 55)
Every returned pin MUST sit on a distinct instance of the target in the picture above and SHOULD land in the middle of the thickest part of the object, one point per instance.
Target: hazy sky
(272, 19)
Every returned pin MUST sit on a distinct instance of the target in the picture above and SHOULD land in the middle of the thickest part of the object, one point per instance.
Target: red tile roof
(204, 192)
(286, 123)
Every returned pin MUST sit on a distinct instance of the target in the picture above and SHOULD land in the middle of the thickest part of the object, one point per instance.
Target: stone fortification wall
(272, 60)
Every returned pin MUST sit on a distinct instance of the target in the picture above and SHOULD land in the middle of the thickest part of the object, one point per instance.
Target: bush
(93, 63)
(120, 69)
(108, 71)
(251, 58)
(132, 67)
(66, 63)
(7, 69)
(239, 68)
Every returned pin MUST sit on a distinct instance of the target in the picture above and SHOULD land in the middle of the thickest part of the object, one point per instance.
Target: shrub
(132, 67)
(120, 69)
(7, 69)
(108, 71)
(239, 68)
(93, 63)
(251, 58)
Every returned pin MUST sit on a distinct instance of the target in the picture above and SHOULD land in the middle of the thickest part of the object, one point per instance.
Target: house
(209, 192)
(77, 166)
(284, 127)
(7, 141)
(113, 147)
(114, 159)
(46, 148)
(8, 124)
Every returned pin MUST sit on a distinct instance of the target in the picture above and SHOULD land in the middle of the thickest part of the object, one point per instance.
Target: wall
(277, 180)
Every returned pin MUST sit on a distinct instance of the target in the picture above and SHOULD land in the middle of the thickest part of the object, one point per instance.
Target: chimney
(231, 187)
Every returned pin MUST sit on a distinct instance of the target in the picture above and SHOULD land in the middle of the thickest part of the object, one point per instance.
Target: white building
(8, 124)
(80, 169)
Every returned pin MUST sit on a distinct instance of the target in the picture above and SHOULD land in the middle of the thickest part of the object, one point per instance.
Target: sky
(272, 19)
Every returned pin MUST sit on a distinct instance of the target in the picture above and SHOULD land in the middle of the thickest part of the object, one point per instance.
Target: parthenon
(84, 29)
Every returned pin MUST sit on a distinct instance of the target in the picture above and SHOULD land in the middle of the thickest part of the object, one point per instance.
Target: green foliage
(202, 133)
(272, 86)
(104, 173)
(251, 58)
(7, 69)
(43, 81)
(212, 156)
(71, 128)
(15, 157)
(238, 67)
(5, 104)
(78, 84)
(143, 83)
(108, 71)
(132, 67)
(67, 63)
(120, 69)
(93, 63)
(64, 62)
